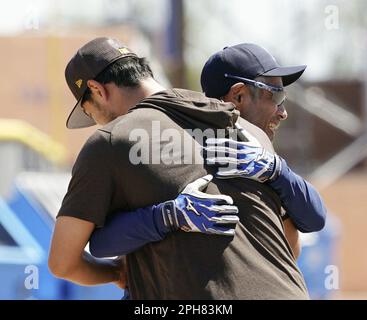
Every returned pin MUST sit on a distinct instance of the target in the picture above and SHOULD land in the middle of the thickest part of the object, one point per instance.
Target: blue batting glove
(195, 211)
(242, 160)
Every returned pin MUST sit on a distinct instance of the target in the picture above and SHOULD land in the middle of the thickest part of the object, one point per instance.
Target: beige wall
(347, 199)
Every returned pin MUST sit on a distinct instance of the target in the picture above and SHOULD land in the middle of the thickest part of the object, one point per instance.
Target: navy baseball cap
(245, 60)
(89, 61)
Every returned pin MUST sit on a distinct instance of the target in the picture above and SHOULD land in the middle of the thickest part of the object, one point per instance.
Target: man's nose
(281, 112)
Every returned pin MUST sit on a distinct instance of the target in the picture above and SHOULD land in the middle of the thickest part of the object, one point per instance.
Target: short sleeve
(91, 186)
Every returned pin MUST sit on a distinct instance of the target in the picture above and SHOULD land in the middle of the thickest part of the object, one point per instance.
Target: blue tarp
(27, 224)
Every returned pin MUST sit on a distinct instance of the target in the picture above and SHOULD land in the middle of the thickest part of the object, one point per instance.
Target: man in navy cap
(249, 76)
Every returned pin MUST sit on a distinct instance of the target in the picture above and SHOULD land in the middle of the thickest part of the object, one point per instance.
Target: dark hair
(126, 72)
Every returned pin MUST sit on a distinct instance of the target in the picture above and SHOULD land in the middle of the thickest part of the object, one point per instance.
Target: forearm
(300, 199)
(90, 271)
(68, 260)
(126, 232)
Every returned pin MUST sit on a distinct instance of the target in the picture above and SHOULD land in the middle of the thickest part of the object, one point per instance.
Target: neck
(150, 86)
(146, 88)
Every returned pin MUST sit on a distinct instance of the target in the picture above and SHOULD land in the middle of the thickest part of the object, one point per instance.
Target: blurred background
(324, 138)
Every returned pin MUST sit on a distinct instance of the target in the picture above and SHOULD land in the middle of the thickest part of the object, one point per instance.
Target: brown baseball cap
(89, 61)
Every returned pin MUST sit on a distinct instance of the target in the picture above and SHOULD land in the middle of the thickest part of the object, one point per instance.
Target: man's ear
(236, 93)
(98, 90)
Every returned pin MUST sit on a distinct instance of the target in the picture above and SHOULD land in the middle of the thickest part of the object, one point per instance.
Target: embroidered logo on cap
(79, 83)
(124, 50)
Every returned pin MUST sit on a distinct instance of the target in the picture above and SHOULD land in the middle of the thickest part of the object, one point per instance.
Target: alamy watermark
(32, 18)
(31, 282)
(332, 17)
(331, 281)
(174, 146)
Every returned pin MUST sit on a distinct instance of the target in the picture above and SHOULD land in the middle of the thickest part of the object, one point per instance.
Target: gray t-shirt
(257, 263)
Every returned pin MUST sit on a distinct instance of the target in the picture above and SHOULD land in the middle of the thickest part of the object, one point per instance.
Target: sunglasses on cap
(278, 93)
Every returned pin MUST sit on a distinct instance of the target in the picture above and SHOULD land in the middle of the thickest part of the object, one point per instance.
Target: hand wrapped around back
(196, 211)
(238, 159)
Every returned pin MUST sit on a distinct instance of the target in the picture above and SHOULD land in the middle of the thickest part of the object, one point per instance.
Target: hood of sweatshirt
(195, 110)
(194, 107)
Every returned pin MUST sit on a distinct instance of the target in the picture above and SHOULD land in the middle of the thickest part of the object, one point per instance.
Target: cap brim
(78, 119)
(288, 74)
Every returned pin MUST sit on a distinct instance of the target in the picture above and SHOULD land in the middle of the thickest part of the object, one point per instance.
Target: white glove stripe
(230, 151)
(215, 197)
(228, 160)
(230, 232)
(228, 220)
(193, 227)
(233, 144)
(221, 209)
(261, 172)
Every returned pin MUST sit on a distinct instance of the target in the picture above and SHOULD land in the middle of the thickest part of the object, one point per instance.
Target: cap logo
(123, 50)
(79, 83)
